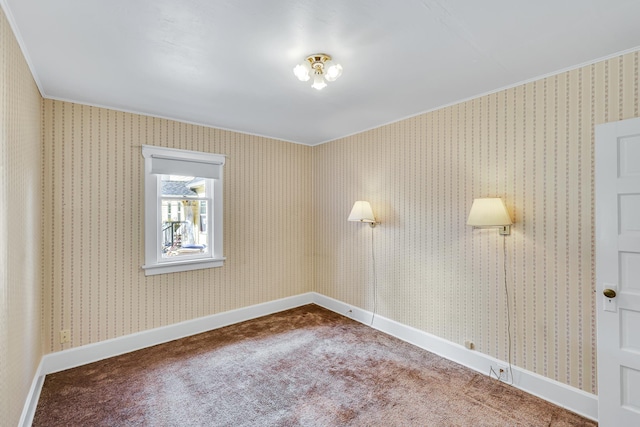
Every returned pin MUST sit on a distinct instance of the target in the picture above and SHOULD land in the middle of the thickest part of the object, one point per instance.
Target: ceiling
(228, 63)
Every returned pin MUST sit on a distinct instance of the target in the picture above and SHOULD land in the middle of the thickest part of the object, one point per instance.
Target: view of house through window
(184, 214)
(183, 210)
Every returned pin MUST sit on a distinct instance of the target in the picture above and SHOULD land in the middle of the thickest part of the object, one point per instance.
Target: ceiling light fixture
(321, 66)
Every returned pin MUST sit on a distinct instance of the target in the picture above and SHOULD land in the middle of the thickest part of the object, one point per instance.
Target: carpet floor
(302, 367)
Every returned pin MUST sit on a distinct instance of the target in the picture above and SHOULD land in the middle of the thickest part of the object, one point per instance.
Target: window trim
(154, 263)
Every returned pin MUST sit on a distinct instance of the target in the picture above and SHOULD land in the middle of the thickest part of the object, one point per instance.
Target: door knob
(609, 293)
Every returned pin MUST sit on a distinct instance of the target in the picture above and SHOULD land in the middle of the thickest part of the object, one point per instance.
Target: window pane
(183, 210)
(203, 216)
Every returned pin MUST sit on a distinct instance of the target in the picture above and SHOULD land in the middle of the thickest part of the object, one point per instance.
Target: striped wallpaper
(93, 234)
(533, 146)
(285, 221)
(20, 223)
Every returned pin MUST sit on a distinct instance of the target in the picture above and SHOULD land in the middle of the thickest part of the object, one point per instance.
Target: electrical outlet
(501, 373)
(65, 336)
(504, 373)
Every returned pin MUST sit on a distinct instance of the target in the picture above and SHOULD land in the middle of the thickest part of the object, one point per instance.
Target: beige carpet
(302, 367)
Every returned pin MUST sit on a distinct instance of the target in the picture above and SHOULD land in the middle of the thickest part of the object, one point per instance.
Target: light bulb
(333, 71)
(302, 72)
(318, 82)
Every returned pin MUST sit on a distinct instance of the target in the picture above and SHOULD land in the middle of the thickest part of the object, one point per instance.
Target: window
(183, 210)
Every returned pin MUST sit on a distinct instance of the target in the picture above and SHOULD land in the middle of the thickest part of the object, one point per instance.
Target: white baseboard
(29, 409)
(82, 355)
(568, 397)
(67, 359)
(571, 398)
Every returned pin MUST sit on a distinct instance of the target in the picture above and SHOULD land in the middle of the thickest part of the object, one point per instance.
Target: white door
(617, 168)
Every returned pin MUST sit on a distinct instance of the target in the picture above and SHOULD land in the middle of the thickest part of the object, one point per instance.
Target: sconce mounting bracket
(504, 230)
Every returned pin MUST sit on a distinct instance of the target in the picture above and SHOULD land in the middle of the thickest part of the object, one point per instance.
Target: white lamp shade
(302, 72)
(488, 212)
(333, 71)
(318, 82)
(362, 212)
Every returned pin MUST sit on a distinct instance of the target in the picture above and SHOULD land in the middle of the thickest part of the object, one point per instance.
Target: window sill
(177, 266)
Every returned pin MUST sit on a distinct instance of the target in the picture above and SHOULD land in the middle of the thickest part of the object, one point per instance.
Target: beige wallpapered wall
(285, 221)
(20, 224)
(531, 145)
(93, 235)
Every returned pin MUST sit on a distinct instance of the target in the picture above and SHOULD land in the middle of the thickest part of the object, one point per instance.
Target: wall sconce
(490, 212)
(362, 212)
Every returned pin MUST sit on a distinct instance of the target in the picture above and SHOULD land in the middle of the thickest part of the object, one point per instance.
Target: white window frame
(154, 262)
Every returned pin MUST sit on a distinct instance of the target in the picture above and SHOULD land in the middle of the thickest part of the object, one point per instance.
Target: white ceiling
(228, 63)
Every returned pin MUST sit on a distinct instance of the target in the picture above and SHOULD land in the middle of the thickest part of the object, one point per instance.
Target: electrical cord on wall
(375, 280)
(500, 375)
(506, 293)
